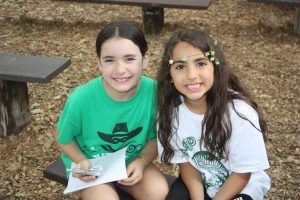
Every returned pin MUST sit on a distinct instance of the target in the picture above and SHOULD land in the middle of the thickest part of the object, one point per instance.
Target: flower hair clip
(171, 61)
(184, 59)
(211, 55)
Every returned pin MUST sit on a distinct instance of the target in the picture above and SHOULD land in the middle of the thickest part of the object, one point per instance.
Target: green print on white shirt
(214, 173)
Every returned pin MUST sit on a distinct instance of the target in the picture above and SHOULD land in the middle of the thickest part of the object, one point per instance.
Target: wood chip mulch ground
(259, 45)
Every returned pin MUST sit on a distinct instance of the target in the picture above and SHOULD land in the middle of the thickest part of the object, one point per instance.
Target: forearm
(137, 167)
(235, 183)
(195, 188)
(71, 149)
(193, 181)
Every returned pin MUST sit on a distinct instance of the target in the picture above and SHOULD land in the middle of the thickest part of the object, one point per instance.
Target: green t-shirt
(101, 125)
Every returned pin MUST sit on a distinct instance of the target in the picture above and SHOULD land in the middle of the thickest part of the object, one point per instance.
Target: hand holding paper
(135, 172)
(114, 169)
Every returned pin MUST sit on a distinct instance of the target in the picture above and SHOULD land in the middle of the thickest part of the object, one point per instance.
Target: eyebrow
(195, 60)
(107, 57)
(200, 59)
(126, 56)
(130, 55)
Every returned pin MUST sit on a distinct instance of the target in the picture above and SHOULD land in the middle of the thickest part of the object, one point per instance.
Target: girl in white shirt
(208, 124)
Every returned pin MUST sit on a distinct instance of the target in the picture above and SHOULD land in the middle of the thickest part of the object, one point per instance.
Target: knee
(162, 191)
(99, 192)
(157, 191)
(99, 196)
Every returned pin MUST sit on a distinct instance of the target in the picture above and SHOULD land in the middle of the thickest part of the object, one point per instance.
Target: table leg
(153, 19)
(14, 107)
(297, 21)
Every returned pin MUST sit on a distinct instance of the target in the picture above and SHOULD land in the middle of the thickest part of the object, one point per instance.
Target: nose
(191, 72)
(120, 67)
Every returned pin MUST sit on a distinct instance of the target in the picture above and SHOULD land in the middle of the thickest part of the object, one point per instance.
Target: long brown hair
(216, 126)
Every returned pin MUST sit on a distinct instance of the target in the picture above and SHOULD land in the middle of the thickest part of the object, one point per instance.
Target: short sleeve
(69, 123)
(151, 135)
(178, 157)
(247, 152)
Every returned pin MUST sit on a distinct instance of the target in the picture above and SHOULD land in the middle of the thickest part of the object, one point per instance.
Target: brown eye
(108, 60)
(179, 67)
(201, 64)
(130, 59)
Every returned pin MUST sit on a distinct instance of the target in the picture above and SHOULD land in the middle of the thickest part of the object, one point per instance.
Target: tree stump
(153, 19)
(14, 107)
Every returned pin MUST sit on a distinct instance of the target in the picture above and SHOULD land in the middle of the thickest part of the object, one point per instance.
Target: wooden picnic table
(281, 2)
(15, 72)
(294, 3)
(153, 10)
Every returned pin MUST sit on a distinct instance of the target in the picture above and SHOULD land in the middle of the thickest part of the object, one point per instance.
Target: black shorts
(179, 191)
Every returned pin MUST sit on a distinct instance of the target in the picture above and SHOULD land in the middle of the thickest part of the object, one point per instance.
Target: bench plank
(281, 2)
(57, 172)
(26, 68)
(186, 4)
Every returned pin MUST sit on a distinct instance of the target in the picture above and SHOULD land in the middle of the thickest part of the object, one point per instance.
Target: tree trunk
(14, 107)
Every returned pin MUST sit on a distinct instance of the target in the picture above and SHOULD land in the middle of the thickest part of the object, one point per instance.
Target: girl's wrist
(142, 158)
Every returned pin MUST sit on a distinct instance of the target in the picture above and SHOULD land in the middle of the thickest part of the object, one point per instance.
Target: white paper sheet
(114, 168)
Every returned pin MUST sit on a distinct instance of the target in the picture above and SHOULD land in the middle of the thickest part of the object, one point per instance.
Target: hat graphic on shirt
(119, 134)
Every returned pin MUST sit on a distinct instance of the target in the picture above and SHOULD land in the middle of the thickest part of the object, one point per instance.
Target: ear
(99, 64)
(146, 60)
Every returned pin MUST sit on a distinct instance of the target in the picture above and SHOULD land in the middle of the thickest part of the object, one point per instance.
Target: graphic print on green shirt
(115, 138)
(214, 173)
(119, 134)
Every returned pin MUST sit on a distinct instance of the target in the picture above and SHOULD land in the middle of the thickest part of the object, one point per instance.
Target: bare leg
(153, 186)
(99, 192)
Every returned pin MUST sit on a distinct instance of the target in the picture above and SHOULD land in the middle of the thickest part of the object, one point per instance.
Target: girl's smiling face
(192, 73)
(121, 64)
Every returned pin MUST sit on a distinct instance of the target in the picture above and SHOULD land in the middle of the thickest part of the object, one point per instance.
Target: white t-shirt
(247, 152)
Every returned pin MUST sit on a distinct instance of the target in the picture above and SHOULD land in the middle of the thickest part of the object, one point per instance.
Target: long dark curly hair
(216, 126)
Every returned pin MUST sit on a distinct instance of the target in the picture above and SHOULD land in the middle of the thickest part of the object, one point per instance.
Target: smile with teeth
(194, 86)
(122, 80)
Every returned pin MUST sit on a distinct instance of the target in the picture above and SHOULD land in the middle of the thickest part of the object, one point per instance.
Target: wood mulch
(259, 45)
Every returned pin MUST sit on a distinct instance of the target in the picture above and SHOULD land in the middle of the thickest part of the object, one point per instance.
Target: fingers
(84, 178)
(87, 178)
(132, 180)
(84, 164)
(135, 175)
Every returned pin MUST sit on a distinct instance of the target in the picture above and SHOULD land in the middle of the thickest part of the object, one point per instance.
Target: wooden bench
(57, 172)
(153, 10)
(294, 3)
(15, 72)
